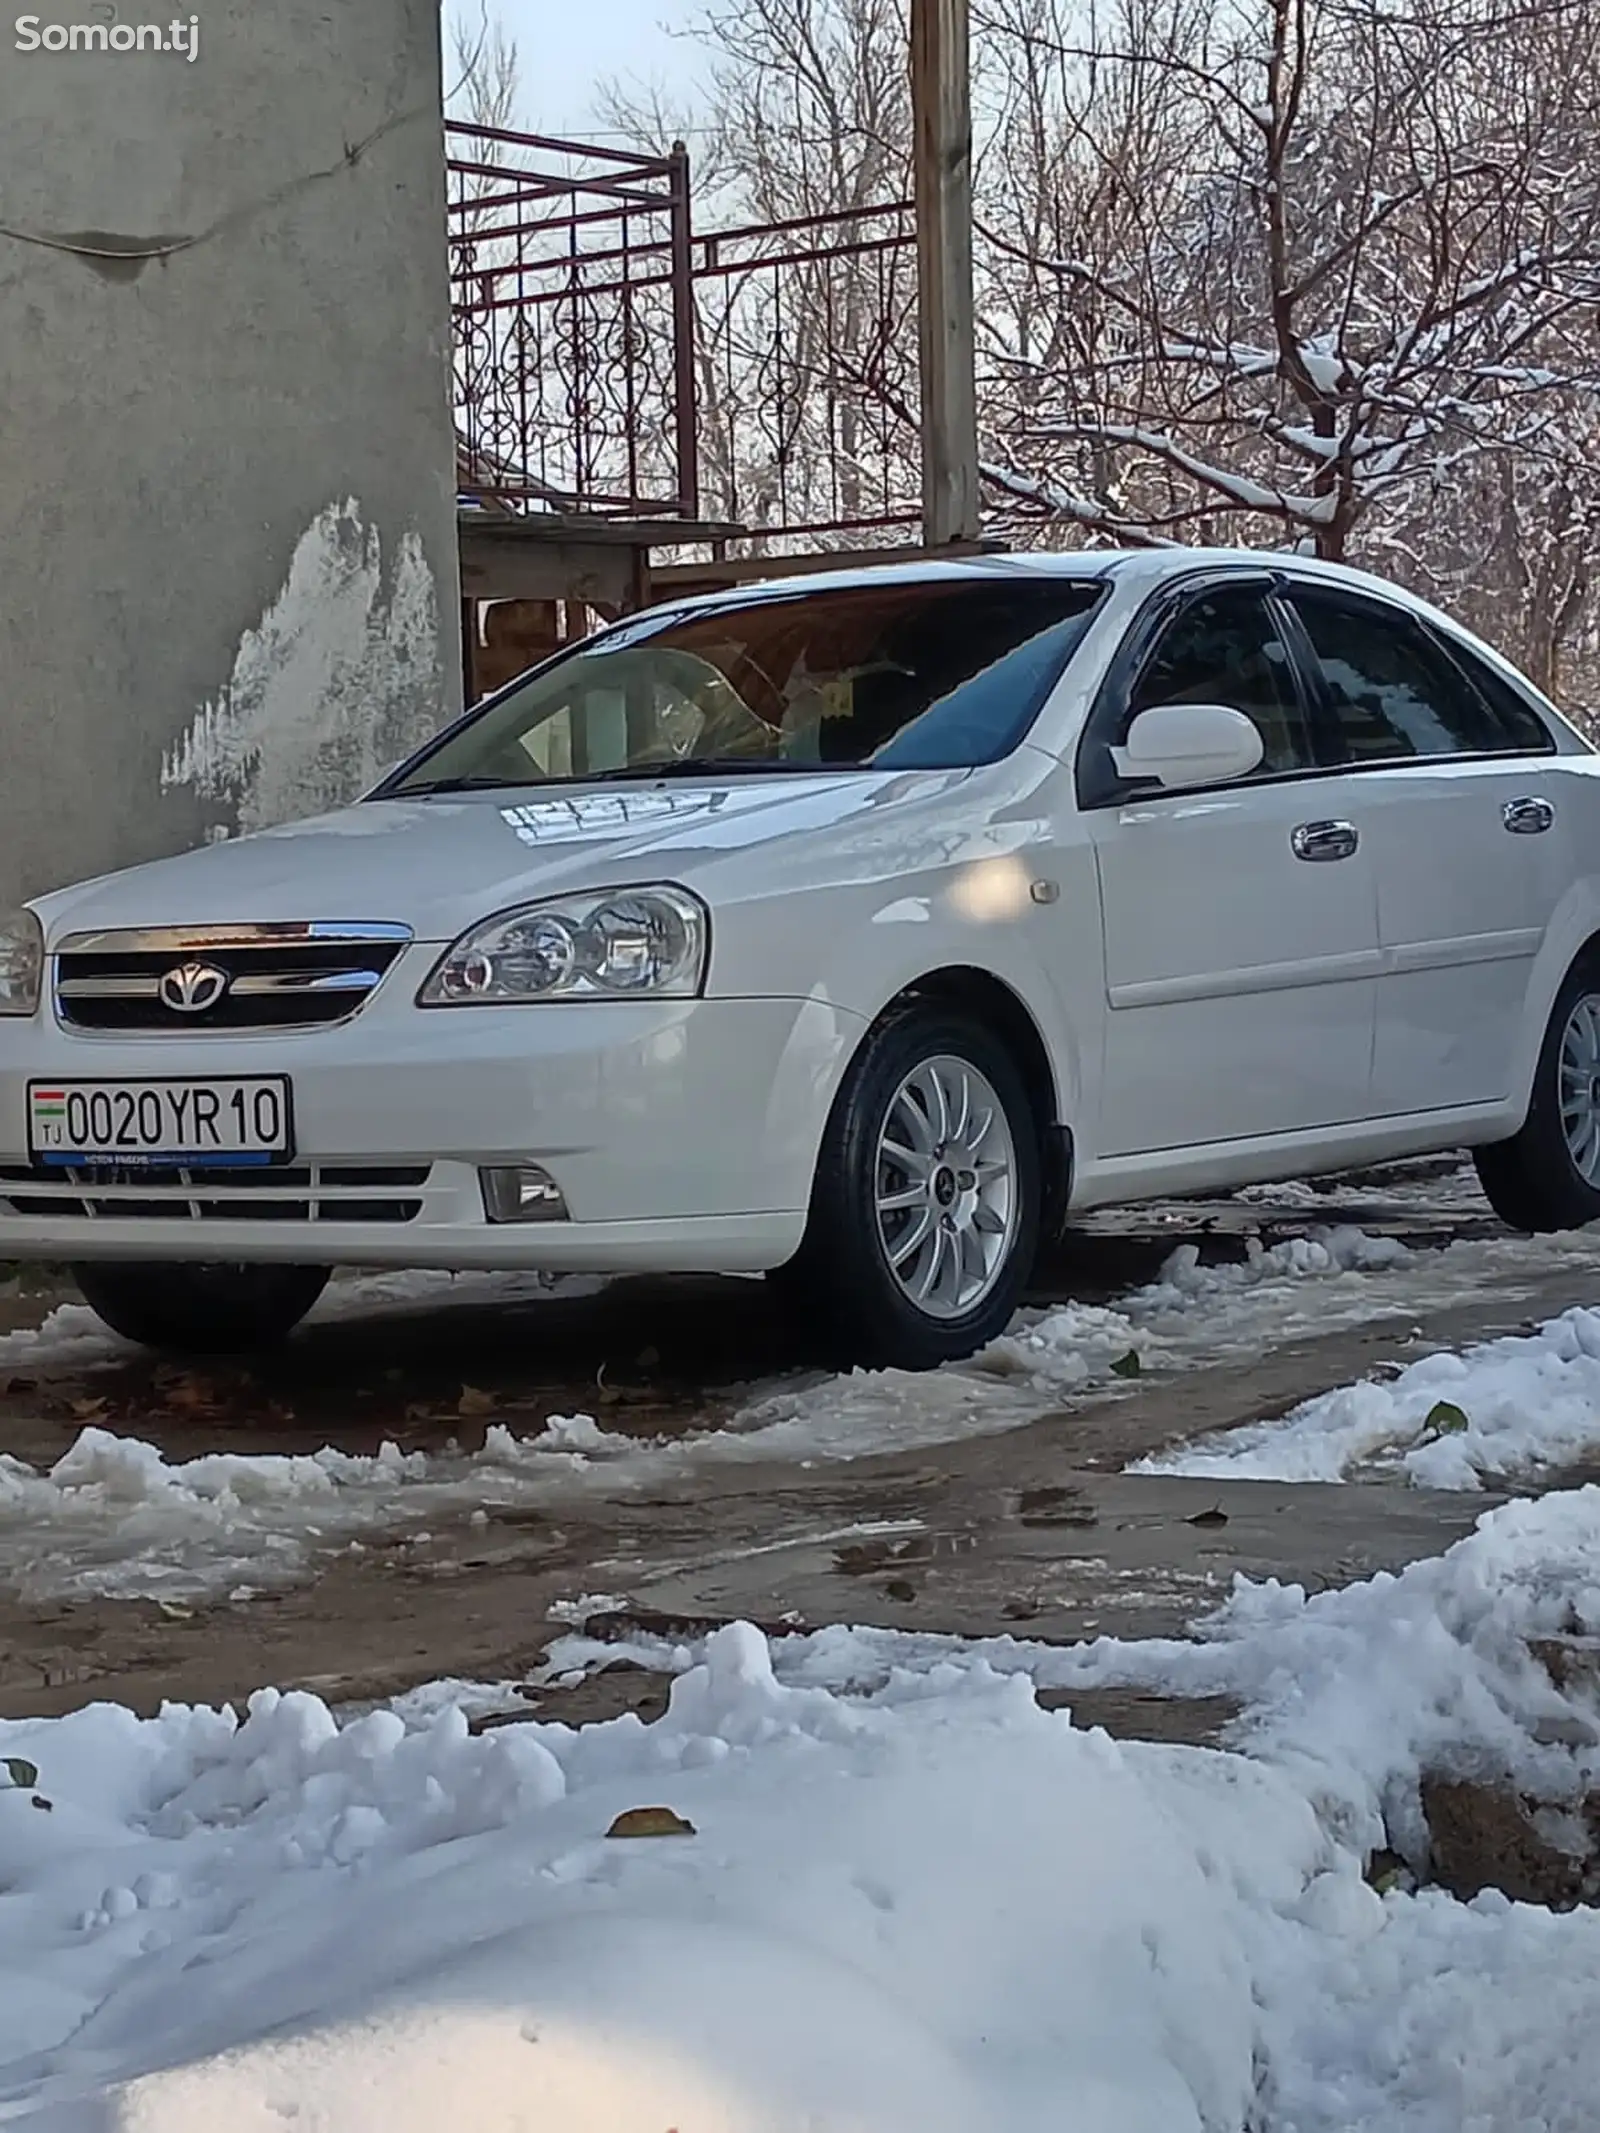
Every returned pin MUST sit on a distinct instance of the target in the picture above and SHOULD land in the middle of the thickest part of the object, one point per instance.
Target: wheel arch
(1573, 934)
(999, 1007)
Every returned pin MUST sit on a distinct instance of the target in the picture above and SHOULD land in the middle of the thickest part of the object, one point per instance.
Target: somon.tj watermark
(181, 36)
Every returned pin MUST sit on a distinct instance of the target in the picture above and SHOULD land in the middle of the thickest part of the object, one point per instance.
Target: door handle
(1526, 817)
(1324, 840)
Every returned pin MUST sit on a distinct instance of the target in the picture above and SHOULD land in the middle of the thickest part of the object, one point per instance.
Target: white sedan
(853, 929)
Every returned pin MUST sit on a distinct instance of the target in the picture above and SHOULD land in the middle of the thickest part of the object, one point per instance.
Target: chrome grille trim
(247, 988)
(281, 977)
(190, 940)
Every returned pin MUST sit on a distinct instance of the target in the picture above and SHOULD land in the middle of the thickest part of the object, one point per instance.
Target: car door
(1240, 922)
(1461, 811)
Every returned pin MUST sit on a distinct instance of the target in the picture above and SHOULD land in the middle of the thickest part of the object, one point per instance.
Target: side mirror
(1189, 744)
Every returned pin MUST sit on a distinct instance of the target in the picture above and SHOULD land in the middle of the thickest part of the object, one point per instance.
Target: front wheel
(201, 1310)
(925, 1213)
(1547, 1176)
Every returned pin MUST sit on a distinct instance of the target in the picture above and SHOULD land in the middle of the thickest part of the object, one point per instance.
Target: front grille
(263, 977)
(316, 1192)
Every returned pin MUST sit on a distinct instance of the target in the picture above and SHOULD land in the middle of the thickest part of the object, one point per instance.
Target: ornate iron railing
(806, 361)
(574, 348)
(611, 360)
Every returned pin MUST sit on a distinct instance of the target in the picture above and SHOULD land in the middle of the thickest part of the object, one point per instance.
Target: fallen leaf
(45, 1806)
(1216, 1516)
(1128, 1366)
(1445, 1419)
(23, 1774)
(86, 1410)
(175, 1611)
(473, 1402)
(900, 1589)
(190, 1393)
(650, 1822)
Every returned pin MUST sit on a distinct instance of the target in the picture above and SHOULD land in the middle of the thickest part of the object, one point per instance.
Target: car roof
(1145, 567)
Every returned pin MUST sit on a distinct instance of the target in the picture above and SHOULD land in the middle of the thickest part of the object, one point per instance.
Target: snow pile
(70, 1334)
(908, 1899)
(978, 1912)
(1354, 1693)
(1455, 2018)
(114, 1517)
(1415, 2014)
(1506, 1409)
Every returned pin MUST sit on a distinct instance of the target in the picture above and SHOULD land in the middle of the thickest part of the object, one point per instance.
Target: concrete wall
(227, 539)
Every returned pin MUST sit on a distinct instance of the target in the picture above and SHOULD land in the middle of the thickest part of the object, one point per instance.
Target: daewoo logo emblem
(193, 987)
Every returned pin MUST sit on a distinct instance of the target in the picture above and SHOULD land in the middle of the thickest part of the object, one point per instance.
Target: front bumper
(683, 1135)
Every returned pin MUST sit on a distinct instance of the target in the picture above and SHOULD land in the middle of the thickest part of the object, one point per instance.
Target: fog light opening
(521, 1192)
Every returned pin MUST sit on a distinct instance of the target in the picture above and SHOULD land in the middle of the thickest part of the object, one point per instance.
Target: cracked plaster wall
(227, 534)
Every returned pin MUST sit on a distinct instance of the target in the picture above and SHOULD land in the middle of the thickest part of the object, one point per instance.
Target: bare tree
(1317, 273)
(485, 87)
(1294, 271)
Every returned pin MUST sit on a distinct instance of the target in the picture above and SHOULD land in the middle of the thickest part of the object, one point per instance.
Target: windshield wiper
(466, 784)
(686, 766)
(698, 766)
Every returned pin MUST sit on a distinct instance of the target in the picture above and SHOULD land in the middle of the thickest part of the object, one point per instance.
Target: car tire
(201, 1309)
(1547, 1176)
(954, 1214)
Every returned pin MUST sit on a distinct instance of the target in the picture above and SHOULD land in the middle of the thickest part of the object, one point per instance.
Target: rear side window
(1515, 717)
(1395, 694)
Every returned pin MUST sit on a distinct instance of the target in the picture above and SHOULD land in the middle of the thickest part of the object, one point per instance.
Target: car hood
(439, 865)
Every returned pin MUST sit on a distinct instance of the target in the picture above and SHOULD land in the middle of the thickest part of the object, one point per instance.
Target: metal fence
(611, 360)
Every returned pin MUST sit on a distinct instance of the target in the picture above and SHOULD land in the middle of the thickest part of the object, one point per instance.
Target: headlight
(630, 945)
(21, 963)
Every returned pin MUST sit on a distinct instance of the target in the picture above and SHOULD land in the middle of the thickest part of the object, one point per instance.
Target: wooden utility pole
(941, 100)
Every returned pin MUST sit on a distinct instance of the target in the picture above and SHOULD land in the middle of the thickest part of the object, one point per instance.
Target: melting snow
(115, 1517)
(1506, 1409)
(912, 1899)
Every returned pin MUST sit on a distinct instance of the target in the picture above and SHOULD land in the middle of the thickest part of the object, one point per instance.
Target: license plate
(187, 1125)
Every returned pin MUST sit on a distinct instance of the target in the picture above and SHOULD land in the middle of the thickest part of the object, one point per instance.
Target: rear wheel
(925, 1213)
(201, 1309)
(1547, 1176)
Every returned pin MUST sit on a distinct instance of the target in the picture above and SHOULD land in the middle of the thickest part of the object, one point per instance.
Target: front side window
(1225, 648)
(936, 674)
(1395, 694)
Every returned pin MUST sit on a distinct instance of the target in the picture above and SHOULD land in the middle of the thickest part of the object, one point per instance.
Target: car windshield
(928, 675)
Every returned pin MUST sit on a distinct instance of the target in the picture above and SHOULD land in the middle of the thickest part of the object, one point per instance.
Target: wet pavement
(1035, 1531)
